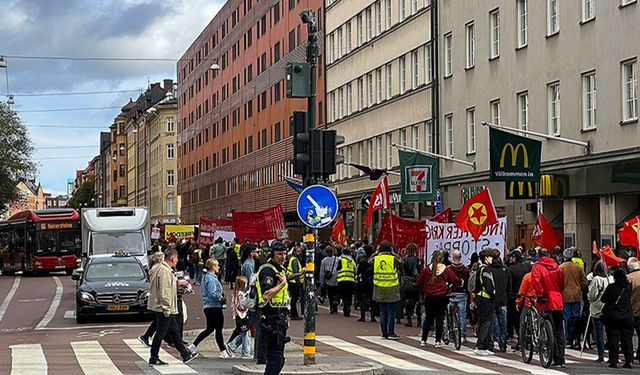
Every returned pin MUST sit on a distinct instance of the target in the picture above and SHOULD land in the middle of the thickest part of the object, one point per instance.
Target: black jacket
(617, 303)
(516, 273)
(501, 282)
(412, 266)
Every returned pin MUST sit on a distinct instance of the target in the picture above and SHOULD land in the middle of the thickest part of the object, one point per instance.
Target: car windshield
(120, 270)
(58, 242)
(109, 243)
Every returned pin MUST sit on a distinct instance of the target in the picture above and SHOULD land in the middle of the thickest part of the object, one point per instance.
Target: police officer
(296, 281)
(273, 308)
(346, 280)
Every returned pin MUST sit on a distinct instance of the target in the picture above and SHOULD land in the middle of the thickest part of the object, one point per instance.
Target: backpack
(250, 298)
(475, 285)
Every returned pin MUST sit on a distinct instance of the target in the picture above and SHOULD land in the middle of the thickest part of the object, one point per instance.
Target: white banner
(155, 233)
(447, 236)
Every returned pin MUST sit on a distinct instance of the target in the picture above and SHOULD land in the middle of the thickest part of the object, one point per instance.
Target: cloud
(90, 28)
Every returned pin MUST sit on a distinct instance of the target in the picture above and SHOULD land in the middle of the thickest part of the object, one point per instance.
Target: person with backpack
(548, 281)
(597, 286)
(240, 335)
(618, 319)
(498, 331)
(483, 291)
(346, 280)
(516, 271)
(328, 278)
(410, 290)
(220, 254)
(364, 285)
(433, 281)
(575, 281)
(249, 259)
(460, 294)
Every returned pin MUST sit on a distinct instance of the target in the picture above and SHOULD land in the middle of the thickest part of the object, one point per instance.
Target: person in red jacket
(548, 282)
(433, 282)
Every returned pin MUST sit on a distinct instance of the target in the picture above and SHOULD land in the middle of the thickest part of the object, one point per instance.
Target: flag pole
(586, 145)
(437, 156)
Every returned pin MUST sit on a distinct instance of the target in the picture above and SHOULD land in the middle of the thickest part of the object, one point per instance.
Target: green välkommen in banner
(513, 158)
(418, 176)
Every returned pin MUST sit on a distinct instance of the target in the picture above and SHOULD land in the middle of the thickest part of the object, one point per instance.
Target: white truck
(110, 229)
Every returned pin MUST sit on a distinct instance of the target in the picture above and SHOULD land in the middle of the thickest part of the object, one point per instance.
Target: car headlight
(144, 295)
(86, 296)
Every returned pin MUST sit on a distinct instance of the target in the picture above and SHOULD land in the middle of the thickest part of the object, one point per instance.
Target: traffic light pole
(311, 234)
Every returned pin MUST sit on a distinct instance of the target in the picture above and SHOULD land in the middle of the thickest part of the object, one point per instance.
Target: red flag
(607, 256)
(442, 217)
(338, 234)
(477, 213)
(543, 235)
(379, 199)
(401, 232)
(629, 234)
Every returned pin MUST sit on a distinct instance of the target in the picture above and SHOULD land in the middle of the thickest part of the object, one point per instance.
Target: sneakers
(247, 357)
(144, 340)
(190, 358)
(224, 354)
(423, 343)
(482, 353)
(438, 344)
(157, 362)
(230, 352)
(464, 340)
(393, 336)
(192, 348)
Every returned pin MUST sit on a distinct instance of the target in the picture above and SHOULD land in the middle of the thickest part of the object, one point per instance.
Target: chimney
(167, 84)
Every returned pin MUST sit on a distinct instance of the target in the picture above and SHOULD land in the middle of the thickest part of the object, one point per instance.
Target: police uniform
(273, 314)
(295, 285)
(346, 282)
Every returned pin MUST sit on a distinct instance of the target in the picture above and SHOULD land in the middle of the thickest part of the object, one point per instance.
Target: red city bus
(40, 241)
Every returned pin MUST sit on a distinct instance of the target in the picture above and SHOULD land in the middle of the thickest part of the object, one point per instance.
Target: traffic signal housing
(298, 80)
(330, 156)
(300, 139)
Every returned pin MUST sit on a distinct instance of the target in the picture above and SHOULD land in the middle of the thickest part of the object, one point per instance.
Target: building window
(401, 10)
(448, 124)
(389, 77)
(414, 6)
(553, 108)
(340, 102)
(428, 136)
(471, 130)
(276, 132)
(369, 23)
(360, 27)
(378, 17)
(170, 205)
(629, 91)
(553, 19)
(360, 94)
(170, 151)
(349, 99)
(389, 142)
(415, 130)
(370, 90)
(415, 69)
(332, 97)
(447, 55)
(340, 50)
(403, 137)
(495, 112)
(494, 19)
(170, 178)
(523, 20)
(588, 12)
(170, 124)
(470, 45)
(372, 153)
(403, 74)
(388, 13)
(348, 36)
(361, 155)
(379, 153)
(523, 110)
(428, 60)
(589, 100)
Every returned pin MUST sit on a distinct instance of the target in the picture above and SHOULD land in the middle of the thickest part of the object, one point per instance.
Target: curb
(364, 368)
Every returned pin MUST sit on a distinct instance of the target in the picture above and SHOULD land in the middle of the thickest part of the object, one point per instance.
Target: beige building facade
(563, 68)
(379, 80)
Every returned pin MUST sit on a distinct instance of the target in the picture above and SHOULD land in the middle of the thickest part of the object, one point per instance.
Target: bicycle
(537, 335)
(452, 326)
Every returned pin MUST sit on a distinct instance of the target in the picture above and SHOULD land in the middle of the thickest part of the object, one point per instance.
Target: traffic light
(330, 157)
(300, 140)
(298, 80)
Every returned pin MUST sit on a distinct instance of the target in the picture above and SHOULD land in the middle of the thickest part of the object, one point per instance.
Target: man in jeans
(484, 294)
(459, 298)
(386, 287)
(498, 331)
(163, 300)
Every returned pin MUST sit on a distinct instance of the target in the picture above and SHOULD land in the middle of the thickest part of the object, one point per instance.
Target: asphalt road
(39, 335)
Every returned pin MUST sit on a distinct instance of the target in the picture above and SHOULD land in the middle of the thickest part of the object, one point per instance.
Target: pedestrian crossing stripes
(97, 358)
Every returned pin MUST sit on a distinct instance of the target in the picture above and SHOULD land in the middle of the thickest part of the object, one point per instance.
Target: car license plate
(60, 266)
(117, 308)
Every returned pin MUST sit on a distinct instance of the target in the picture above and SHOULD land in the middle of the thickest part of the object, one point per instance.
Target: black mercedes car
(111, 284)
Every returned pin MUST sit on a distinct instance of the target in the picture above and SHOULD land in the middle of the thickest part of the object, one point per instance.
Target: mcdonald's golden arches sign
(513, 158)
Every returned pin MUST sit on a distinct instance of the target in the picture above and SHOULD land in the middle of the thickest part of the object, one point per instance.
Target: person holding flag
(379, 200)
(477, 213)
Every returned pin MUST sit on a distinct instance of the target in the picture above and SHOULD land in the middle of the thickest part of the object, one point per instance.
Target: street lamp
(3, 62)
(11, 100)
(215, 65)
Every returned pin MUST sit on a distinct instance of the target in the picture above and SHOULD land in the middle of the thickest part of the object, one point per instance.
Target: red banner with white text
(403, 233)
(208, 227)
(259, 225)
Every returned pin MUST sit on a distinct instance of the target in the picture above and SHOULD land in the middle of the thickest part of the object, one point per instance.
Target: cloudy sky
(88, 28)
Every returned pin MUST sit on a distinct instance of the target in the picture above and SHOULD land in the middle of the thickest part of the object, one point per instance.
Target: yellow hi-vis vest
(347, 270)
(384, 272)
(293, 259)
(280, 300)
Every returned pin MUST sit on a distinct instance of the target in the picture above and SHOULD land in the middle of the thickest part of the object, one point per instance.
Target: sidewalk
(365, 368)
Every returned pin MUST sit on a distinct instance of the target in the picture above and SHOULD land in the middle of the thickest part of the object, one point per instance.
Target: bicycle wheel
(546, 344)
(526, 341)
(456, 337)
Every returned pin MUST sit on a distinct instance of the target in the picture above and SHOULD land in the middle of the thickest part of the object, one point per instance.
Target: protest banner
(180, 232)
(447, 236)
(401, 232)
(259, 225)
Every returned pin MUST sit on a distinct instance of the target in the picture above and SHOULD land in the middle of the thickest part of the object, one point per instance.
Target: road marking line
(185, 316)
(55, 303)
(535, 370)
(175, 365)
(93, 359)
(567, 361)
(69, 314)
(429, 356)
(92, 327)
(9, 297)
(28, 359)
(383, 358)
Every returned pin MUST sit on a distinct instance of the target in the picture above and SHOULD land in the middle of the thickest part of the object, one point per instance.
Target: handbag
(329, 274)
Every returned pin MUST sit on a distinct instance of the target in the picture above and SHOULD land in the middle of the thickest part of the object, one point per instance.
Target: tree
(16, 150)
(84, 196)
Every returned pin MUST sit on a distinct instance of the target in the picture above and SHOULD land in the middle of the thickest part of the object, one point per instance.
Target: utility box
(298, 80)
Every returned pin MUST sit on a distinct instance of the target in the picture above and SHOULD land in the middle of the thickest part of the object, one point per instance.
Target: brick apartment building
(233, 133)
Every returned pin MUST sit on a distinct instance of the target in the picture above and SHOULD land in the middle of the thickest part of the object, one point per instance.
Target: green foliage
(84, 196)
(16, 150)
